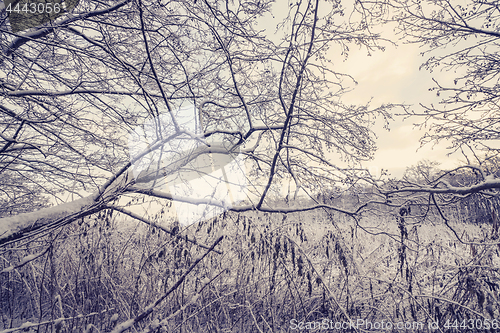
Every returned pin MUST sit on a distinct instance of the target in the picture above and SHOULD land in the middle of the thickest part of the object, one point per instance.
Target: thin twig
(149, 309)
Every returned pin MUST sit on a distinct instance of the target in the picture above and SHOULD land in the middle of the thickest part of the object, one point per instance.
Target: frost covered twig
(27, 325)
(142, 219)
(24, 261)
(149, 309)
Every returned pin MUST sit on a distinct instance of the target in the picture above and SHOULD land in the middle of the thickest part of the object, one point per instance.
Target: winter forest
(197, 166)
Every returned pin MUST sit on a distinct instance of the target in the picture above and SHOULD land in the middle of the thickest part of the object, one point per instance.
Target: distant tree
(462, 38)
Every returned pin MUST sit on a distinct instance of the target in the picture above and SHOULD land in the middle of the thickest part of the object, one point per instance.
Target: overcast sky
(393, 76)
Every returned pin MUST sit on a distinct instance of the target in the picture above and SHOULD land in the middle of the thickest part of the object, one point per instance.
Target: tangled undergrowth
(270, 273)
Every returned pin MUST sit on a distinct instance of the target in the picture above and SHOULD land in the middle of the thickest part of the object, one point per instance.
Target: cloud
(393, 76)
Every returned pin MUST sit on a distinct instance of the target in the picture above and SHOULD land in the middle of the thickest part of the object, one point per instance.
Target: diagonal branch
(142, 219)
(149, 309)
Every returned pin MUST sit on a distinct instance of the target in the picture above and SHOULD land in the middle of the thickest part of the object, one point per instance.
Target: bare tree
(461, 39)
(73, 90)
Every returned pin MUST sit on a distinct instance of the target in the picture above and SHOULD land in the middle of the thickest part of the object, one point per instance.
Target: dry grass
(274, 269)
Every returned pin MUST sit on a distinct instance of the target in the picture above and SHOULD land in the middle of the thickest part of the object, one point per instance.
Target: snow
(13, 224)
(490, 179)
(18, 146)
(488, 183)
(8, 269)
(123, 326)
(58, 321)
(28, 258)
(26, 324)
(195, 298)
(149, 308)
(22, 262)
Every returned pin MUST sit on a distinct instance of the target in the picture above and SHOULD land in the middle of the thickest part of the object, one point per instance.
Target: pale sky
(393, 76)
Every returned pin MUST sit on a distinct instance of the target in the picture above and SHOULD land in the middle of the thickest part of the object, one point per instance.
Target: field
(313, 271)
